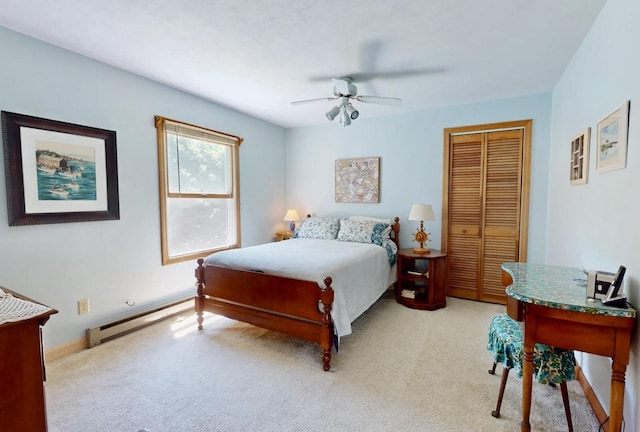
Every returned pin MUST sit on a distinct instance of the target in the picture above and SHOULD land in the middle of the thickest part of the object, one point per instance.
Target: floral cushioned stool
(550, 365)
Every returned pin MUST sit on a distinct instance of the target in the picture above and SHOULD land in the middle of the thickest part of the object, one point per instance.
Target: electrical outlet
(83, 306)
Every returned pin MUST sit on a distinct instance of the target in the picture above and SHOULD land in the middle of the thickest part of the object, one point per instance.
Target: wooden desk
(22, 398)
(555, 311)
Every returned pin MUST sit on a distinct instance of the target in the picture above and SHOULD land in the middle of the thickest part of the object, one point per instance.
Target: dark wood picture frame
(30, 143)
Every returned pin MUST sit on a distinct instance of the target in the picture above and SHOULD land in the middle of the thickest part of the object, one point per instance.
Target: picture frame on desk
(58, 172)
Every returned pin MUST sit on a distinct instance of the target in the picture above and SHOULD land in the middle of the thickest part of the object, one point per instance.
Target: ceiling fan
(344, 91)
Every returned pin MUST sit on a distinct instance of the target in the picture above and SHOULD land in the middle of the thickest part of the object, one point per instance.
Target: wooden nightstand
(284, 235)
(422, 279)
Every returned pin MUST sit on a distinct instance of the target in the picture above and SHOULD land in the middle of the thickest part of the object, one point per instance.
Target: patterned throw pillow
(363, 231)
(325, 228)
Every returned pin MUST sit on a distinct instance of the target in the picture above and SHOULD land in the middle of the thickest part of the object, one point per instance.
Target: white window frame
(169, 256)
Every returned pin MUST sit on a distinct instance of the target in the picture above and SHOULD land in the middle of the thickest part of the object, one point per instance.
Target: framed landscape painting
(611, 140)
(58, 172)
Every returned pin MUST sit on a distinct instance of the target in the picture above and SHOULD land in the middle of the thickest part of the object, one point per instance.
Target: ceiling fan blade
(380, 100)
(362, 77)
(302, 102)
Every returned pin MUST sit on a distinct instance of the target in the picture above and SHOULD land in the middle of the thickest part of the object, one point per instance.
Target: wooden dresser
(22, 399)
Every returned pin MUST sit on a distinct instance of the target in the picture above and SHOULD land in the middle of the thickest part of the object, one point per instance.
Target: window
(199, 199)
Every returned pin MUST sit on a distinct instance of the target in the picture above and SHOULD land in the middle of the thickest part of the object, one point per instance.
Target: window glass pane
(198, 195)
(199, 224)
(195, 165)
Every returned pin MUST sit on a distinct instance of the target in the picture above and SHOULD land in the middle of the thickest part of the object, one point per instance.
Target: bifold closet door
(465, 214)
(501, 225)
(483, 210)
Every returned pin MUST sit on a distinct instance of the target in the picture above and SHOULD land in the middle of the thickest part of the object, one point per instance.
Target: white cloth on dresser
(13, 309)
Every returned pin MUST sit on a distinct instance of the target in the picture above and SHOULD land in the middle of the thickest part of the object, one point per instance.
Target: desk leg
(616, 403)
(527, 382)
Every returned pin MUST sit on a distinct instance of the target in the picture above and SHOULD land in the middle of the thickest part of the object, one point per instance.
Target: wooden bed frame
(281, 304)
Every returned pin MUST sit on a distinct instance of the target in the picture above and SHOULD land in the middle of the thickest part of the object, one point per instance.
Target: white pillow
(370, 218)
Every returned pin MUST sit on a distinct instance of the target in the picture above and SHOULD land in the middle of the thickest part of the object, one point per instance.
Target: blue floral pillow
(363, 231)
(325, 228)
(380, 233)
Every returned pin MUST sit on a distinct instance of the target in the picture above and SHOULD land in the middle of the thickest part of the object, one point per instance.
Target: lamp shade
(291, 215)
(421, 212)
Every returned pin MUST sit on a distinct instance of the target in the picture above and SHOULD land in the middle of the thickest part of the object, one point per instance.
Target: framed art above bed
(357, 180)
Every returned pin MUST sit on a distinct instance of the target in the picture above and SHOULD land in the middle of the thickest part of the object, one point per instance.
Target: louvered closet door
(501, 209)
(485, 194)
(465, 215)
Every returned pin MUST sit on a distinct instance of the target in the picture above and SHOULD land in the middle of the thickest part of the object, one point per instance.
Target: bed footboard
(276, 303)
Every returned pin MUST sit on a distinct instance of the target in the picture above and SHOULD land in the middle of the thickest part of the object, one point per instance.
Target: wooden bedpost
(326, 333)
(199, 306)
(395, 229)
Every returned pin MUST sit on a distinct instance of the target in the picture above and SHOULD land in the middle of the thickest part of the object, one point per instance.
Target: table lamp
(421, 212)
(291, 216)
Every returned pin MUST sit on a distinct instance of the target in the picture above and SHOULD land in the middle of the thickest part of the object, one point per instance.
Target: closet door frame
(526, 127)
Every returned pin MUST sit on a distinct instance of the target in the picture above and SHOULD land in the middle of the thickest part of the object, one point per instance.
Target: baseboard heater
(112, 330)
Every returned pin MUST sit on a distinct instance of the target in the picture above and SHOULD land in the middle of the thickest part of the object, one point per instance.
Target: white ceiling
(256, 56)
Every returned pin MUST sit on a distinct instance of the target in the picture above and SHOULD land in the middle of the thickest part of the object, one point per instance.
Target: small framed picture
(611, 140)
(579, 163)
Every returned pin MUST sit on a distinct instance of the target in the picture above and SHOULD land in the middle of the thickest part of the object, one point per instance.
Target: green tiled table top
(553, 286)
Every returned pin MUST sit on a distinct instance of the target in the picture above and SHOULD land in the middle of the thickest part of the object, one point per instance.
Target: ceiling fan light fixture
(333, 112)
(353, 113)
(344, 91)
(345, 119)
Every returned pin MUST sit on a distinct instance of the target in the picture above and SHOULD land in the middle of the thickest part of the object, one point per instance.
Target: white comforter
(360, 272)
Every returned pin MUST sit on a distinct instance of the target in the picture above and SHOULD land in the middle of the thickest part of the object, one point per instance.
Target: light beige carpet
(401, 370)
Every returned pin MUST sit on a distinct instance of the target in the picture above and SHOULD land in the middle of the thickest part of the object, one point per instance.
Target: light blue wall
(110, 262)
(591, 226)
(596, 225)
(411, 150)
